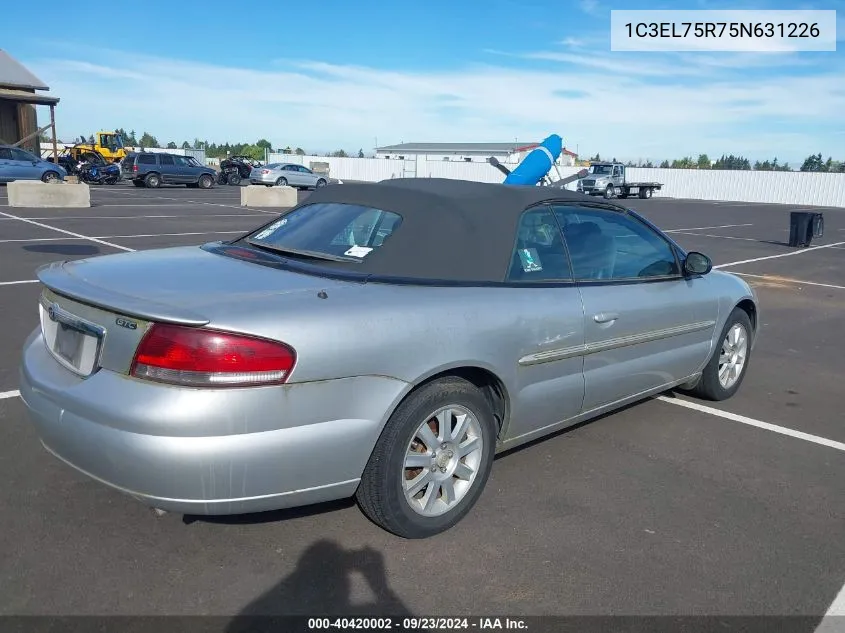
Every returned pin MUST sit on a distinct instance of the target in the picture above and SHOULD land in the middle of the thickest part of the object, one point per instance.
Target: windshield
(601, 169)
(192, 161)
(330, 228)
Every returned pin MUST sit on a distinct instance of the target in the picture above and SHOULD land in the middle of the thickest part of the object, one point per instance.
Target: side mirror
(697, 264)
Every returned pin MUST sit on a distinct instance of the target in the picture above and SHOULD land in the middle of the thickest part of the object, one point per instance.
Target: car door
(24, 165)
(547, 387)
(170, 174)
(309, 179)
(6, 170)
(646, 325)
(292, 175)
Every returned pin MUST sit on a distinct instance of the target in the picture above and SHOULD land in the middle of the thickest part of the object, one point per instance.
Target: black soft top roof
(452, 230)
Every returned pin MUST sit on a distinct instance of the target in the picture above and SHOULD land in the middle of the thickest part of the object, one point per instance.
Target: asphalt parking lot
(666, 508)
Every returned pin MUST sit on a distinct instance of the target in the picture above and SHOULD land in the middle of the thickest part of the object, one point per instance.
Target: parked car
(287, 174)
(18, 164)
(153, 169)
(382, 340)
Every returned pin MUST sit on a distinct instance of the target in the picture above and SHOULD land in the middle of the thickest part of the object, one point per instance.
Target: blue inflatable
(537, 164)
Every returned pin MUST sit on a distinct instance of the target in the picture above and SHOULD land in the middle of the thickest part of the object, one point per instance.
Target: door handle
(605, 317)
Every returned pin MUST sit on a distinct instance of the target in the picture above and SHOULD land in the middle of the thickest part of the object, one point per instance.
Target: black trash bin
(804, 226)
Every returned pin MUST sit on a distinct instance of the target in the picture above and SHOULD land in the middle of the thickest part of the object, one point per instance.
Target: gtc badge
(129, 325)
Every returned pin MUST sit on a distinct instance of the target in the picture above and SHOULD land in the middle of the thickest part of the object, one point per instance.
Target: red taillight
(134, 168)
(198, 357)
(265, 171)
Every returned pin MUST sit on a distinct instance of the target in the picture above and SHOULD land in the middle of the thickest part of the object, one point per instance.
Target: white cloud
(630, 108)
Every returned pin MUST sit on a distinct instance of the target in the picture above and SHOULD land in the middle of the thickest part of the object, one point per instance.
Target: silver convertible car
(382, 341)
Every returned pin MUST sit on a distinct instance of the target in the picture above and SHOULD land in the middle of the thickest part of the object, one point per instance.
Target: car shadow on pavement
(321, 586)
(271, 516)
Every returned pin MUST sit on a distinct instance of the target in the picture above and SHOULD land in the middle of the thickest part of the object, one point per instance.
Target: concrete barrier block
(34, 193)
(263, 196)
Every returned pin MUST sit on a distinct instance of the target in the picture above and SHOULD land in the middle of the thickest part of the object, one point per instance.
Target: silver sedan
(381, 341)
(287, 175)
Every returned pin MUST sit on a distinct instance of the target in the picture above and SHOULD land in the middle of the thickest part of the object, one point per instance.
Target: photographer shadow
(321, 586)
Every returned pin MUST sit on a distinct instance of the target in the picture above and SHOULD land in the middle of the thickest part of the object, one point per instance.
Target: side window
(166, 159)
(5, 153)
(19, 154)
(146, 159)
(304, 170)
(539, 253)
(612, 245)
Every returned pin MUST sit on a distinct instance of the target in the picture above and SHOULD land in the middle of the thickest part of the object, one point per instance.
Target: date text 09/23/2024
(417, 624)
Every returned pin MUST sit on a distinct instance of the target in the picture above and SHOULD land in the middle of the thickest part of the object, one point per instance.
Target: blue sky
(334, 75)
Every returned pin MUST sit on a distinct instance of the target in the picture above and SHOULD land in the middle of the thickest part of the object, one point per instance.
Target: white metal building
(509, 153)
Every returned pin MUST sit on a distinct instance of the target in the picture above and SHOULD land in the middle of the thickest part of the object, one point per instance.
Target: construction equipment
(109, 145)
(536, 167)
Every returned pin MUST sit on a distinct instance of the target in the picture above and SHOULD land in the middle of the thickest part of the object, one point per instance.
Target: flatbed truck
(608, 179)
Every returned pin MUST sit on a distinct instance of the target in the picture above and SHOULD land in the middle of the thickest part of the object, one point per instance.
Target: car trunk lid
(95, 311)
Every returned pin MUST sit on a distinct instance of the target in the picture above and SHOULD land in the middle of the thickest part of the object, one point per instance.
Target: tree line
(814, 162)
(221, 150)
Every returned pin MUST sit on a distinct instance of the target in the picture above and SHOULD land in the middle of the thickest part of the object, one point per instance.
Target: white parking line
(15, 283)
(752, 422)
(836, 610)
(723, 237)
(140, 217)
(112, 237)
(71, 233)
(9, 394)
(790, 281)
(759, 259)
(213, 204)
(702, 228)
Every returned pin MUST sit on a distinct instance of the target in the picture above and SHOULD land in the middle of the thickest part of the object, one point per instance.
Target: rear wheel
(205, 182)
(432, 460)
(645, 192)
(321, 183)
(282, 182)
(153, 181)
(50, 176)
(724, 373)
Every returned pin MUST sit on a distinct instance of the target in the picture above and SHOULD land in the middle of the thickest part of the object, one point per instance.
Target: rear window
(331, 228)
(128, 162)
(147, 159)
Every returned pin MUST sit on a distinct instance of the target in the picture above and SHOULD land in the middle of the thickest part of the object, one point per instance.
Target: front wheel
(724, 373)
(432, 461)
(609, 192)
(205, 182)
(234, 179)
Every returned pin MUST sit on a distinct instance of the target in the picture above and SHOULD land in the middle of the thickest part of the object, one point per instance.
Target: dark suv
(148, 169)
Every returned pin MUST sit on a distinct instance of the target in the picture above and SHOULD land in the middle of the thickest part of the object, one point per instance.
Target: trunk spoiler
(63, 282)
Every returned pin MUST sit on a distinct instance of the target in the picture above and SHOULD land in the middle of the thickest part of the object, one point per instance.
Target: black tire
(645, 192)
(50, 176)
(321, 183)
(609, 192)
(380, 494)
(708, 386)
(282, 182)
(138, 183)
(234, 180)
(205, 182)
(153, 181)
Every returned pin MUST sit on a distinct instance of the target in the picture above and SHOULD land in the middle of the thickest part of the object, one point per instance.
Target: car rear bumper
(208, 452)
(263, 179)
